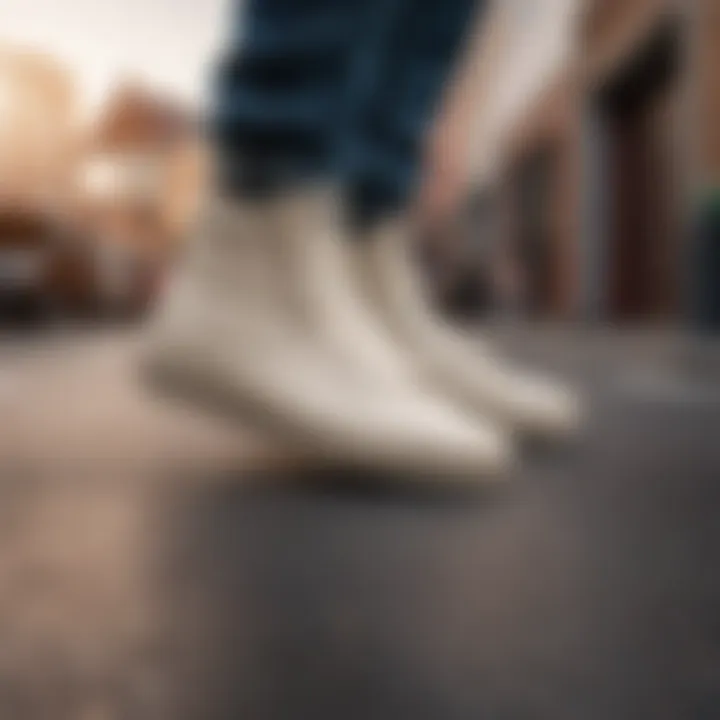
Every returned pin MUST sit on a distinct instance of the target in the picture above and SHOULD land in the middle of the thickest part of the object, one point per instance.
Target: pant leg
(383, 153)
(281, 88)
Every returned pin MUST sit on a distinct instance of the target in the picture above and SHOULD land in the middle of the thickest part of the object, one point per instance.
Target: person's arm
(448, 158)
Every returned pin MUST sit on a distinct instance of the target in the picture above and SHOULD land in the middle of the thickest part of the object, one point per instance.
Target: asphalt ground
(155, 564)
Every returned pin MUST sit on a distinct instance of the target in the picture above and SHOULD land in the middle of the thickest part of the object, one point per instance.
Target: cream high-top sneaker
(466, 370)
(327, 296)
(229, 336)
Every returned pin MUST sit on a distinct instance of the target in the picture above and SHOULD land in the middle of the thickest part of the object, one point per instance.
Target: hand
(446, 173)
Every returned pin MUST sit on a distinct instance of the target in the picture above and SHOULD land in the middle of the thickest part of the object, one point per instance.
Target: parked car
(50, 269)
(27, 258)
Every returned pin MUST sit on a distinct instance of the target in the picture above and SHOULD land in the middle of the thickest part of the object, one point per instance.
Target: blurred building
(139, 186)
(38, 129)
(43, 262)
(143, 168)
(604, 155)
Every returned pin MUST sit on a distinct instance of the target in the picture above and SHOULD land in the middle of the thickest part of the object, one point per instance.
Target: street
(158, 565)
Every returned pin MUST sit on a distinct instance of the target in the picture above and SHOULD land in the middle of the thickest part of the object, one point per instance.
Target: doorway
(643, 227)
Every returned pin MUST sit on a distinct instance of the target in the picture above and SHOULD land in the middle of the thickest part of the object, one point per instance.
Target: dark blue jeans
(335, 89)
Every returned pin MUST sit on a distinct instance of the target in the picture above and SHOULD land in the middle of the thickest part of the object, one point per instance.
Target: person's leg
(288, 92)
(280, 91)
(397, 92)
(382, 172)
(396, 76)
(253, 324)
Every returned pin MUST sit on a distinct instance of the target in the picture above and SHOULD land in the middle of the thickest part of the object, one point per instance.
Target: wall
(707, 35)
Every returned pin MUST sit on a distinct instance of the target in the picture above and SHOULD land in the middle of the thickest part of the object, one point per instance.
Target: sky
(168, 44)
